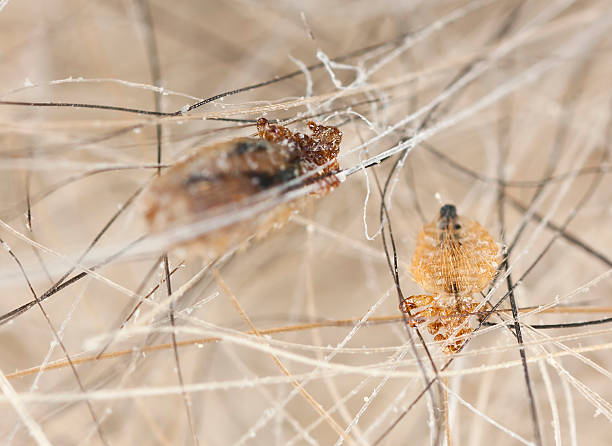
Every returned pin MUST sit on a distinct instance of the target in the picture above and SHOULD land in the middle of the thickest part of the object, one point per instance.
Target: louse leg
(454, 347)
(434, 327)
(443, 320)
(452, 320)
(412, 303)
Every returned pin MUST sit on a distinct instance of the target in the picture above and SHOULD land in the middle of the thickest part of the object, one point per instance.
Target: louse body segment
(222, 178)
(455, 258)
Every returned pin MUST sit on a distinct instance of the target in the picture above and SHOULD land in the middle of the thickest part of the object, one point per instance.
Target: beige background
(537, 104)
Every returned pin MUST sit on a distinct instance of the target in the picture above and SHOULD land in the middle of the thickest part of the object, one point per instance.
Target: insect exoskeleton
(455, 258)
(248, 177)
(454, 255)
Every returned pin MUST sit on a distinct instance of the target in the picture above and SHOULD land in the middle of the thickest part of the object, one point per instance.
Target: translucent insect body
(455, 258)
(224, 177)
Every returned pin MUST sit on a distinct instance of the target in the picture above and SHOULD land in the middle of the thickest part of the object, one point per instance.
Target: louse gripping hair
(220, 178)
(316, 153)
(455, 258)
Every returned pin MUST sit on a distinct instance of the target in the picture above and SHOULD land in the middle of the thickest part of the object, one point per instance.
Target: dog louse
(219, 178)
(455, 258)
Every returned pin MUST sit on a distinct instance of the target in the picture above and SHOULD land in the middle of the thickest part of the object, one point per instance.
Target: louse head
(448, 211)
(448, 220)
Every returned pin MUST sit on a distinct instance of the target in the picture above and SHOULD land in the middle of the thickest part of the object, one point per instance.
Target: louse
(221, 177)
(455, 258)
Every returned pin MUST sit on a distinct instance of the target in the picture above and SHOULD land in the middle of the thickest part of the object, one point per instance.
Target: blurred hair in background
(502, 108)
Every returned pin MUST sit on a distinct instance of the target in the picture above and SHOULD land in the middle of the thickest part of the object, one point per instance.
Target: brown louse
(221, 178)
(454, 259)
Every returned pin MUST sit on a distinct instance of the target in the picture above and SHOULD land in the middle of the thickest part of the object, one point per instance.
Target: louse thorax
(454, 256)
(222, 179)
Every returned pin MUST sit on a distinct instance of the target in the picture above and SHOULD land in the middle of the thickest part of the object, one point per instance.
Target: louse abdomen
(454, 260)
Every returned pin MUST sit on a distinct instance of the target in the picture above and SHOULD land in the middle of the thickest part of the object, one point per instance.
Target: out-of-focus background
(505, 109)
